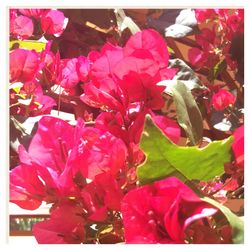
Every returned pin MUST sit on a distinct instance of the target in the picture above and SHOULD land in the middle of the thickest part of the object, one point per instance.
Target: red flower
(161, 212)
(53, 22)
(238, 146)
(24, 65)
(222, 99)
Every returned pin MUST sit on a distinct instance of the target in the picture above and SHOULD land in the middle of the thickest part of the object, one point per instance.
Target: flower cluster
(218, 28)
(87, 171)
(23, 22)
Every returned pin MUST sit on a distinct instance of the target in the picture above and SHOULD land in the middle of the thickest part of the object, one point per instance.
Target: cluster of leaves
(123, 170)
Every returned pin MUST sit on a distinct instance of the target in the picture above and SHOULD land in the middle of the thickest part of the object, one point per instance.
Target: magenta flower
(148, 42)
(44, 163)
(21, 27)
(66, 225)
(83, 68)
(161, 212)
(100, 196)
(97, 152)
(204, 14)
(67, 74)
(51, 64)
(36, 13)
(121, 76)
(26, 189)
(238, 146)
(137, 78)
(53, 22)
(57, 153)
(222, 99)
(24, 65)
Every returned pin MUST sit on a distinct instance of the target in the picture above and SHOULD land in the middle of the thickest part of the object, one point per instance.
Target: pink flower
(205, 38)
(45, 163)
(98, 152)
(148, 42)
(36, 13)
(238, 146)
(102, 68)
(57, 154)
(51, 143)
(101, 195)
(121, 76)
(31, 100)
(161, 212)
(24, 65)
(197, 57)
(26, 189)
(51, 66)
(67, 75)
(66, 225)
(53, 22)
(83, 68)
(138, 78)
(21, 27)
(222, 99)
(203, 14)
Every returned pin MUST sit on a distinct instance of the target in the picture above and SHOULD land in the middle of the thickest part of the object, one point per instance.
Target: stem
(59, 101)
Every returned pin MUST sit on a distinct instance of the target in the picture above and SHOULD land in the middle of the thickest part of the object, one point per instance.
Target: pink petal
(23, 65)
(169, 127)
(238, 146)
(53, 22)
(148, 40)
(22, 27)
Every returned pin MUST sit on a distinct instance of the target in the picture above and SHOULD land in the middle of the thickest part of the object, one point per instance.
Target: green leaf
(170, 50)
(163, 158)
(236, 222)
(28, 44)
(185, 74)
(188, 114)
(216, 70)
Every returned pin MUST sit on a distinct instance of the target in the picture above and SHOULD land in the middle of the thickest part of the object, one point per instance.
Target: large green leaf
(167, 159)
(188, 114)
(236, 222)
